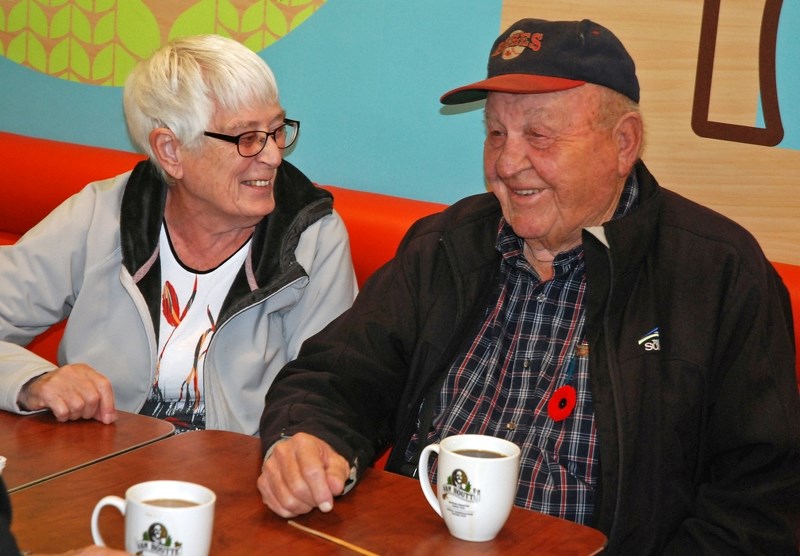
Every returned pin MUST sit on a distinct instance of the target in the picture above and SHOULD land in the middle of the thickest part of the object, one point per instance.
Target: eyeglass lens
(253, 142)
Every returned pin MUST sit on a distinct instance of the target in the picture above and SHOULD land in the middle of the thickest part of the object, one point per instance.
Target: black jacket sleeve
(8, 546)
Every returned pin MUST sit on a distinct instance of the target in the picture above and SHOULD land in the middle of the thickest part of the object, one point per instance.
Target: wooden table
(386, 513)
(38, 447)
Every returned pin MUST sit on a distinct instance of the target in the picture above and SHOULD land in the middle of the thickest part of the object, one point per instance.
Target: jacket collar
(632, 237)
(271, 260)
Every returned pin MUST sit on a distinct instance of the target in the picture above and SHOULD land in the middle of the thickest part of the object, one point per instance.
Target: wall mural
(364, 77)
(720, 81)
(98, 42)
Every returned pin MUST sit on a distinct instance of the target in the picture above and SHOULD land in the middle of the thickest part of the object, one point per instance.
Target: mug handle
(115, 501)
(424, 478)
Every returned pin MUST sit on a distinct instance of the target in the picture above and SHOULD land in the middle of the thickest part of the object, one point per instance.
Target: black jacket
(8, 546)
(699, 439)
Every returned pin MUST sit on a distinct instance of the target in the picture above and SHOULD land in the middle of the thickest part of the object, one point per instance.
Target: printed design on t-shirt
(171, 308)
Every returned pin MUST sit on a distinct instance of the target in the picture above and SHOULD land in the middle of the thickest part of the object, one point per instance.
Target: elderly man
(636, 346)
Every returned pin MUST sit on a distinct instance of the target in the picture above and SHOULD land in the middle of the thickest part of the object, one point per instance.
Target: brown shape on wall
(772, 133)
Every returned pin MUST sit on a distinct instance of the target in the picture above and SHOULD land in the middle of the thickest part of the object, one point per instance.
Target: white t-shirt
(190, 305)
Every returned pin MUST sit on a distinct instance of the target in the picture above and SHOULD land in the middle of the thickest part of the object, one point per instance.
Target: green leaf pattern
(99, 41)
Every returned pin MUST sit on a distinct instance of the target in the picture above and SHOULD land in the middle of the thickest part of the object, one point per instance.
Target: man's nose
(512, 158)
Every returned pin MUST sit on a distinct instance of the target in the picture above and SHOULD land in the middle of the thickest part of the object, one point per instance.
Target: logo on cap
(516, 43)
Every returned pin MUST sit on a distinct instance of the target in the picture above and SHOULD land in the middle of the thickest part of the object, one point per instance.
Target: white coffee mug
(476, 484)
(172, 518)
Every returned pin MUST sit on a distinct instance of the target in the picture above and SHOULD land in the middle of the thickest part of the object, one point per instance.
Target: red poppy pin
(562, 403)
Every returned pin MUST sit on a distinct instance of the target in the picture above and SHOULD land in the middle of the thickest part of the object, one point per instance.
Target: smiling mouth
(527, 192)
(257, 183)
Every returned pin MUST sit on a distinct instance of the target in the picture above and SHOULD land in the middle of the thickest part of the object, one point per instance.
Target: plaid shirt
(522, 374)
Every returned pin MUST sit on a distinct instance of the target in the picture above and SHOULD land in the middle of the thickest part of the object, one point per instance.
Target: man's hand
(71, 392)
(301, 474)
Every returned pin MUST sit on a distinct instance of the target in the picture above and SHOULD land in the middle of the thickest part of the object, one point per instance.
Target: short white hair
(181, 85)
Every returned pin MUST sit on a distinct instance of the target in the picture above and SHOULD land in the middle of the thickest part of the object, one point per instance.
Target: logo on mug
(156, 540)
(458, 485)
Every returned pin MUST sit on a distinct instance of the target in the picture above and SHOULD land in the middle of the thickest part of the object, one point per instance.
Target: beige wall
(758, 186)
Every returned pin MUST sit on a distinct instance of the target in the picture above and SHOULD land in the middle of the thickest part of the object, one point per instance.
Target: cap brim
(520, 83)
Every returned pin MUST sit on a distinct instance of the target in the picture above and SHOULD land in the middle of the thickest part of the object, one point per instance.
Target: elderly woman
(189, 281)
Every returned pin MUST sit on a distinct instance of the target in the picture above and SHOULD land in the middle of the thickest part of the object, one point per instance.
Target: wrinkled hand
(301, 474)
(71, 392)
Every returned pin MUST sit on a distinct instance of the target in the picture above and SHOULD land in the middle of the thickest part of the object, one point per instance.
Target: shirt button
(511, 426)
(526, 363)
(540, 298)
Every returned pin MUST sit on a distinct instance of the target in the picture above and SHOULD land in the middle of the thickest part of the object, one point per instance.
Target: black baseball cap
(538, 56)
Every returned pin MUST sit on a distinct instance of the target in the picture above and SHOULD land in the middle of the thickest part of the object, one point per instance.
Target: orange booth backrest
(38, 174)
(376, 223)
(790, 274)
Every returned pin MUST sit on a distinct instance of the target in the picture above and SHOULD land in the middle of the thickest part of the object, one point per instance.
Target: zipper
(616, 393)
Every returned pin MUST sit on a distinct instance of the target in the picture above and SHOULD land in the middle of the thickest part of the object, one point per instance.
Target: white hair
(181, 85)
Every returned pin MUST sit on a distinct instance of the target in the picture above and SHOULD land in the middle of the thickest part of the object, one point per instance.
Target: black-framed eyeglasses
(250, 143)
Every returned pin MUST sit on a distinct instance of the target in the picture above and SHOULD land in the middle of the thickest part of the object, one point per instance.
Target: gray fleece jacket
(94, 260)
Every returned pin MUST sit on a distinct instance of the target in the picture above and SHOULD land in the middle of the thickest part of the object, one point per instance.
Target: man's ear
(167, 151)
(629, 135)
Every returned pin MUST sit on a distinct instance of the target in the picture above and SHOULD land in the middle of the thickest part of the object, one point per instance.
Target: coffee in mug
(479, 453)
(171, 503)
(476, 483)
(172, 518)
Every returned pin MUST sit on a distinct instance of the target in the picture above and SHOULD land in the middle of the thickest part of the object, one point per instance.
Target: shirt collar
(510, 245)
